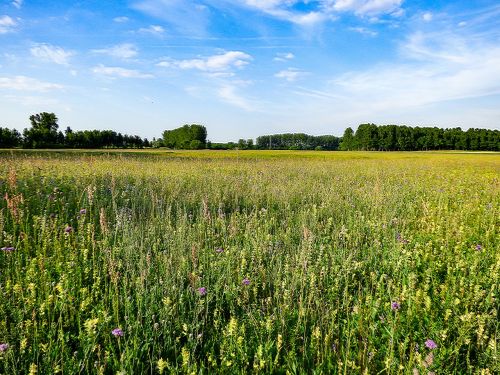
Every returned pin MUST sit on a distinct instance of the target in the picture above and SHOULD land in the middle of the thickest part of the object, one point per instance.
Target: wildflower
(430, 344)
(395, 306)
(479, 247)
(68, 229)
(117, 332)
(219, 250)
(83, 211)
(202, 291)
(246, 281)
(400, 239)
(8, 248)
(3, 347)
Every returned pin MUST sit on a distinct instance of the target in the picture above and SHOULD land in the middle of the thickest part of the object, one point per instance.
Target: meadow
(268, 262)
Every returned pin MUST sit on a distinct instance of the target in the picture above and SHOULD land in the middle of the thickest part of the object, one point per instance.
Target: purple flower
(395, 306)
(83, 211)
(8, 248)
(3, 347)
(68, 229)
(430, 344)
(479, 247)
(246, 281)
(400, 239)
(202, 291)
(117, 332)
(219, 250)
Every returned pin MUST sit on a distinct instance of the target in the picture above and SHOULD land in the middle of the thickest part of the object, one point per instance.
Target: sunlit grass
(322, 262)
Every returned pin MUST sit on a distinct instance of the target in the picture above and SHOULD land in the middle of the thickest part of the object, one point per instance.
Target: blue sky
(244, 68)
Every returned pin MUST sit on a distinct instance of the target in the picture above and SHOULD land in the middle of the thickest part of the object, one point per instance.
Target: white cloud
(18, 3)
(364, 31)
(291, 74)
(122, 19)
(189, 18)
(114, 72)
(215, 63)
(427, 17)
(365, 7)
(121, 51)
(229, 94)
(23, 83)
(438, 67)
(153, 29)
(285, 56)
(47, 52)
(7, 24)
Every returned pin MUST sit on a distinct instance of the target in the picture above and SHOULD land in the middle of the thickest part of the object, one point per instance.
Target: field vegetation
(203, 262)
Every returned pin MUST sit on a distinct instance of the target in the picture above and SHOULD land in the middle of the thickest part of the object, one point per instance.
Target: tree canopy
(186, 137)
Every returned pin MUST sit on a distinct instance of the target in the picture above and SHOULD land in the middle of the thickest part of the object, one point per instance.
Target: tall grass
(249, 263)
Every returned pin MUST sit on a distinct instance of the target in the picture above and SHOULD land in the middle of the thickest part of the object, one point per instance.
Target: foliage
(44, 134)
(249, 262)
(371, 137)
(186, 137)
(9, 138)
(297, 141)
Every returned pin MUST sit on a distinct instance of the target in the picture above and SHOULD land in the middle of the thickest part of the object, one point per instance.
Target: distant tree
(9, 138)
(43, 132)
(347, 142)
(183, 137)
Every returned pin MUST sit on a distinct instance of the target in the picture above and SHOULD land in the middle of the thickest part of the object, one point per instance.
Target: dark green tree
(9, 138)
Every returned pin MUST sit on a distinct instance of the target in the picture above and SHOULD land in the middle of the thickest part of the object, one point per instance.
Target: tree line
(370, 137)
(44, 133)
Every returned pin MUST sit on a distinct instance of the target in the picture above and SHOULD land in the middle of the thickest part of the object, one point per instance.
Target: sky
(245, 68)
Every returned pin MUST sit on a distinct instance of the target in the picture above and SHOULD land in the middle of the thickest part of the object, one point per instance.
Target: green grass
(328, 241)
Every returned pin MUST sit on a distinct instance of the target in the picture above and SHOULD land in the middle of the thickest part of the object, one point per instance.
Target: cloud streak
(23, 83)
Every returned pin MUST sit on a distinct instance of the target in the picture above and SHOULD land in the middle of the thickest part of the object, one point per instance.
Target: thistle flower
(4, 347)
(479, 247)
(83, 211)
(246, 281)
(430, 344)
(117, 332)
(219, 250)
(395, 306)
(68, 229)
(202, 291)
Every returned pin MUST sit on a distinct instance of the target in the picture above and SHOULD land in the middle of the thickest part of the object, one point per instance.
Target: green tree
(43, 132)
(9, 138)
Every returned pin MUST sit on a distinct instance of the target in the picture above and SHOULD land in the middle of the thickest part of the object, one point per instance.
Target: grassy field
(249, 262)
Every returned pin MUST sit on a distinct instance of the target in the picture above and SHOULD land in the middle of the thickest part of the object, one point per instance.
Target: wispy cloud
(7, 24)
(153, 29)
(121, 51)
(291, 74)
(184, 16)
(229, 94)
(121, 19)
(18, 3)
(439, 66)
(364, 7)
(54, 54)
(284, 56)
(215, 63)
(23, 83)
(364, 31)
(118, 72)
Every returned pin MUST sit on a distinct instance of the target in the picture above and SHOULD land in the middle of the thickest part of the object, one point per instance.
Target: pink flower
(117, 332)
(430, 344)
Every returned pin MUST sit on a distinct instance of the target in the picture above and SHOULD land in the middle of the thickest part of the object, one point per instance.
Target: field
(249, 262)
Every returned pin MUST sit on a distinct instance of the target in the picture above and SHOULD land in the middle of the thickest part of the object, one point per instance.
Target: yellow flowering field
(235, 262)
